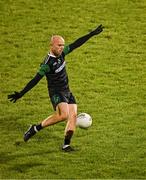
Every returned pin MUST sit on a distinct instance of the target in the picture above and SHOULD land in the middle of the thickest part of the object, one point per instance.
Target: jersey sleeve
(66, 50)
(31, 84)
(44, 68)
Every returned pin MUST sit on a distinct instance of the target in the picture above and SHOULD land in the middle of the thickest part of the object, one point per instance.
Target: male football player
(63, 101)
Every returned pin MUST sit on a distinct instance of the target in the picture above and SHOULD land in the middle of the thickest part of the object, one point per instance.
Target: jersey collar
(52, 55)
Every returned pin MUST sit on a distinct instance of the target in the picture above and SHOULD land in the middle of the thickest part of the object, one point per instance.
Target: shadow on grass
(21, 162)
(23, 152)
(6, 157)
(23, 167)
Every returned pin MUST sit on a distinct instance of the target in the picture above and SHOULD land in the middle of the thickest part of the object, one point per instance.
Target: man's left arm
(82, 40)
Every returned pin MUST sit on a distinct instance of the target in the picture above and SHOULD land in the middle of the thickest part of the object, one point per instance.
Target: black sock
(39, 127)
(68, 137)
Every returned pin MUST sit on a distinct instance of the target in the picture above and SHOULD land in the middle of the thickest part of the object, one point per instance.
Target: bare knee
(63, 116)
(73, 116)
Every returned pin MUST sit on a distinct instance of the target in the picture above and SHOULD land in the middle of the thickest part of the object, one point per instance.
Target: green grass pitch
(107, 76)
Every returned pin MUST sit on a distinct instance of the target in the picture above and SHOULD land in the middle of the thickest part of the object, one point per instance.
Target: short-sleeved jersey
(54, 70)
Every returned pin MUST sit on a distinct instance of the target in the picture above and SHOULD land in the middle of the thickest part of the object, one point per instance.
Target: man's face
(57, 45)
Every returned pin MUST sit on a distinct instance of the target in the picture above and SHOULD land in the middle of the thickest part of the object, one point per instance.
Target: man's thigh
(63, 109)
(72, 111)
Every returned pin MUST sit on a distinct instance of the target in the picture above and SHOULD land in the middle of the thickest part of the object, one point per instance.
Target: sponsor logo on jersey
(59, 61)
(54, 63)
(60, 68)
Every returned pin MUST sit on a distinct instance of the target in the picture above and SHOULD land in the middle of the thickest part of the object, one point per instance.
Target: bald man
(62, 99)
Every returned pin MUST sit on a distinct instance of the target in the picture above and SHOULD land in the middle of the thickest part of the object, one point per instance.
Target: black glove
(14, 97)
(98, 30)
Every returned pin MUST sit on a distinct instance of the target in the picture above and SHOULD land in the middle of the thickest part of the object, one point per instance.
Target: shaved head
(56, 38)
(57, 45)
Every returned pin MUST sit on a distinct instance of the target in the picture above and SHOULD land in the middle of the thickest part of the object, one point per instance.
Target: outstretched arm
(85, 38)
(17, 95)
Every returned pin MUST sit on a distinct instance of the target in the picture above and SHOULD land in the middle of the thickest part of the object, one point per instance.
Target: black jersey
(54, 67)
(55, 71)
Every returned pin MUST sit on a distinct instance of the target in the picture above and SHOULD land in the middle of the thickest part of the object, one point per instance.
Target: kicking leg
(61, 114)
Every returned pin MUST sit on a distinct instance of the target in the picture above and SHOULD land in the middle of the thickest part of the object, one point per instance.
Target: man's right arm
(17, 95)
(31, 84)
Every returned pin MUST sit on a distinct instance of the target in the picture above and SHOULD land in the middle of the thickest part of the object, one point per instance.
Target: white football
(84, 120)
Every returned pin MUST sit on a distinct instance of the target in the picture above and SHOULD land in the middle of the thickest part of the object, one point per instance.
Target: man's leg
(61, 114)
(70, 127)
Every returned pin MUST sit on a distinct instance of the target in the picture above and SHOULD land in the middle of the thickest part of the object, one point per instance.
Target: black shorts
(63, 96)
